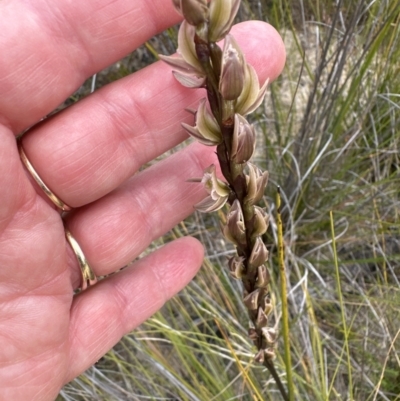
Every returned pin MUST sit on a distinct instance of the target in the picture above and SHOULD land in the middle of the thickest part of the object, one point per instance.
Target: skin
(88, 155)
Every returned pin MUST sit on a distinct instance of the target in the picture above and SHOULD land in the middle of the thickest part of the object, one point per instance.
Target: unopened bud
(269, 354)
(259, 253)
(261, 220)
(236, 266)
(206, 130)
(263, 277)
(218, 190)
(259, 357)
(243, 140)
(251, 300)
(262, 318)
(195, 12)
(232, 70)
(266, 305)
(253, 335)
(256, 184)
(234, 230)
(269, 334)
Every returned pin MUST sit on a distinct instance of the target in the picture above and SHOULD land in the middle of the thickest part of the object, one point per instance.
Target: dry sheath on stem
(233, 91)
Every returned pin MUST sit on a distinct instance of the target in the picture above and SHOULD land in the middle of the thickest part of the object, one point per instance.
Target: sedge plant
(233, 91)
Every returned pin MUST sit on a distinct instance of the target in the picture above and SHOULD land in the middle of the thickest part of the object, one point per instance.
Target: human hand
(88, 155)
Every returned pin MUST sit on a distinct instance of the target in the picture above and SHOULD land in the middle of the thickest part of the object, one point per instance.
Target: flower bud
(222, 14)
(262, 318)
(256, 184)
(253, 335)
(260, 222)
(252, 95)
(234, 229)
(218, 190)
(195, 12)
(259, 253)
(243, 140)
(269, 354)
(251, 300)
(266, 304)
(269, 334)
(259, 357)
(236, 266)
(232, 72)
(263, 277)
(206, 130)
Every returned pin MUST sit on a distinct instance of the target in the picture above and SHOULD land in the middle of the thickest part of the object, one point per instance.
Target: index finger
(52, 47)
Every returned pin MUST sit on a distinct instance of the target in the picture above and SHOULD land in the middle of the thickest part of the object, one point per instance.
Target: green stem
(271, 368)
(342, 308)
(284, 298)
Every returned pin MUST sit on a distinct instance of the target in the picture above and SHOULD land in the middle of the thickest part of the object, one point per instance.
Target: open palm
(88, 155)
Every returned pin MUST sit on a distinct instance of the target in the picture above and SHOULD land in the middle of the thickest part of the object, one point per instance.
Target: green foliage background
(329, 134)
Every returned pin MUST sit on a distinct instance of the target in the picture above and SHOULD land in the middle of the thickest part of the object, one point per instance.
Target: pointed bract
(194, 133)
(210, 205)
(180, 64)
(189, 80)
